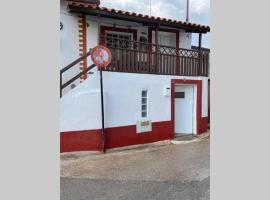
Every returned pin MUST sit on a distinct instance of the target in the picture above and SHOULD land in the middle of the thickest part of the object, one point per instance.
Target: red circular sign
(101, 56)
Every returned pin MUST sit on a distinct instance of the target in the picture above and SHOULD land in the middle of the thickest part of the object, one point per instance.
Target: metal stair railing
(64, 85)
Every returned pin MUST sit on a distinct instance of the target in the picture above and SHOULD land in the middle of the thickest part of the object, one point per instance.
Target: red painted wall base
(125, 136)
(203, 125)
(91, 140)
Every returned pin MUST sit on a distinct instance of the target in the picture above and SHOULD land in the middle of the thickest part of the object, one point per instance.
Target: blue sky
(173, 9)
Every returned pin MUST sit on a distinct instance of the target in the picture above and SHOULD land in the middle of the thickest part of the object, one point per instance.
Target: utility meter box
(167, 91)
(144, 126)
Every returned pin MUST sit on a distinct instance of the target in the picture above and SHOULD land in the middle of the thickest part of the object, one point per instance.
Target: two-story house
(155, 87)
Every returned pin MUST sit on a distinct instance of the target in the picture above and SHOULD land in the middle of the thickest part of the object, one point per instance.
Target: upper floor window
(118, 40)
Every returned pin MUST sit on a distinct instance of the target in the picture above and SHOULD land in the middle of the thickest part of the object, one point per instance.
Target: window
(180, 95)
(118, 40)
(144, 103)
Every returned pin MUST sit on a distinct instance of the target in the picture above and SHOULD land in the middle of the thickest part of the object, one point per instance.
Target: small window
(144, 104)
(180, 95)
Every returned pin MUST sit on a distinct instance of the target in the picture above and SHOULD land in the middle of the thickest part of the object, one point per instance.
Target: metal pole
(187, 11)
(102, 110)
(150, 7)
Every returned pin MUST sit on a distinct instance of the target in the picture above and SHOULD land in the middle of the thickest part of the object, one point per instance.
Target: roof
(94, 2)
(90, 9)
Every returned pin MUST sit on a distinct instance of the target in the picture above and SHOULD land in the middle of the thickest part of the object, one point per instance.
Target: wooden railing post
(208, 64)
(200, 54)
(177, 53)
(157, 50)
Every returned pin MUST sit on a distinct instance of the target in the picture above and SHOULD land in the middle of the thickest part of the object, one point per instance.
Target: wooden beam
(200, 41)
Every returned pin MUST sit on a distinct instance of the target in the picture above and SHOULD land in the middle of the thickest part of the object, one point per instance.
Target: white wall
(204, 97)
(168, 38)
(80, 108)
(92, 35)
(69, 43)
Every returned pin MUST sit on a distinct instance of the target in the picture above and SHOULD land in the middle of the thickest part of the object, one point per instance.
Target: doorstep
(184, 139)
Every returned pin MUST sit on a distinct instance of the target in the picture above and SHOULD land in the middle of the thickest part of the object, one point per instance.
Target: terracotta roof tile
(191, 25)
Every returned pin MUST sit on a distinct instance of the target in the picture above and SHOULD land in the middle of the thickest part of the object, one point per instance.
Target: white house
(155, 87)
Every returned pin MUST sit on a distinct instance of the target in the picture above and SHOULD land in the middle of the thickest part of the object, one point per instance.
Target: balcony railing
(138, 57)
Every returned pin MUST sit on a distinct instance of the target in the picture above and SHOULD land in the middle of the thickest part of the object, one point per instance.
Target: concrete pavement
(165, 172)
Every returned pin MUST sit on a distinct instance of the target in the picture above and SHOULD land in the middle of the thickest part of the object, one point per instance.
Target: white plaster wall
(92, 36)
(167, 38)
(204, 97)
(80, 108)
(69, 43)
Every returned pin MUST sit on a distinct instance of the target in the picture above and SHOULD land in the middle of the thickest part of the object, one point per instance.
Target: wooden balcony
(137, 57)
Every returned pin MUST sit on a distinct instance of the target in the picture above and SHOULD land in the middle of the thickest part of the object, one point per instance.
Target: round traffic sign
(101, 56)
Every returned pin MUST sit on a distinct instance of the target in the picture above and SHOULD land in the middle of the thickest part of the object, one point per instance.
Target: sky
(173, 9)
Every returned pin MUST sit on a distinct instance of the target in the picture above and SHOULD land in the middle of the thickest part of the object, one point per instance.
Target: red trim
(203, 125)
(91, 140)
(200, 121)
(103, 30)
(88, 140)
(125, 136)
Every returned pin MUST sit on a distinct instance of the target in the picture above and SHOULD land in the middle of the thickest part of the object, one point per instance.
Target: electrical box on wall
(167, 91)
(144, 126)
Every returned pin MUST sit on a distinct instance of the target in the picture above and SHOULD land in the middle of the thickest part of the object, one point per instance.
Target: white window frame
(144, 104)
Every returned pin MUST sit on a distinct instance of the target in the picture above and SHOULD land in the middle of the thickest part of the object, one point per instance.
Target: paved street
(171, 172)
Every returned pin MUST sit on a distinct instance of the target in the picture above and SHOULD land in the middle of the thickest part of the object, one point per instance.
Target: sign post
(101, 57)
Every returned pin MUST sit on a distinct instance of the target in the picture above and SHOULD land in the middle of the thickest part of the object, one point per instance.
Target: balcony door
(168, 41)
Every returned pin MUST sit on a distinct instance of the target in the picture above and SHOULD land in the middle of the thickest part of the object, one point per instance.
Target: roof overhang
(127, 16)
